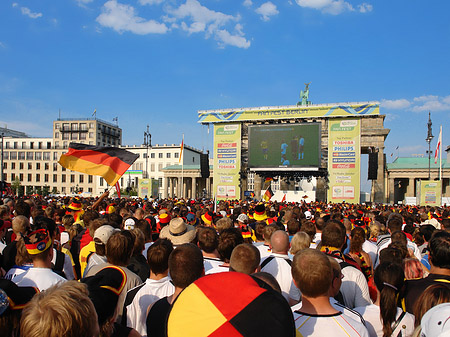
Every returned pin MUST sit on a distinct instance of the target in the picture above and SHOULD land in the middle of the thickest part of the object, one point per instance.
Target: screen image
(284, 145)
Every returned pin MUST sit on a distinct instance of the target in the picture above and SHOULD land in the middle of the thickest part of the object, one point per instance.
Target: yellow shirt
(84, 253)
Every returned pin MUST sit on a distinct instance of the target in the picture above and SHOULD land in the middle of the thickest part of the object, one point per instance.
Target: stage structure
(295, 142)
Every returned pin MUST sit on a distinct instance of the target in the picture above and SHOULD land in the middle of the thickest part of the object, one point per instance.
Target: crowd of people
(184, 267)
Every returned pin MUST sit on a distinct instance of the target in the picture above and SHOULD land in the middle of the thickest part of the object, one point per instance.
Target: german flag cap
(229, 304)
(75, 205)
(37, 242)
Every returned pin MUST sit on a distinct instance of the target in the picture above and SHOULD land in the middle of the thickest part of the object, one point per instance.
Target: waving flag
(438, 145)
(108, 162)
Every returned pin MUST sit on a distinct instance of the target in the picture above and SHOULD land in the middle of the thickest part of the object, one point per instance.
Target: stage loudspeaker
(373, 166)
(204, 165)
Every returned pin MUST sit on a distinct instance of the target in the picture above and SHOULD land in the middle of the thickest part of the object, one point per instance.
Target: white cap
(242, 218)
(308, 215)
(129, 224)
(436, 321)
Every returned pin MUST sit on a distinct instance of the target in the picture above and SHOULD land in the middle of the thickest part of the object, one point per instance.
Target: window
(63, 168)
(15, 145)
(167, 155)
(74, 136)
(13, 176)
(55, 166)
(160, 155)
(56, 145)
(91, 125)
(63, 190)
(56, 126)
(7, 145)
(72, 178)
(152, 168)
(46, 155)
(5, 166)
(46, 166)
(65, 136)
(38, 156)
(21, 156)
(13, 166)
(46, 178)
(20, 166)
(83, 126)
(40, 145)
(193, 159)
(38, 177)
(6, 155)
(13, 156)
(81, 179)
(74, 126)
(177, 155)
(55, 178)
(21, 177)
(63, 178)
(90, 189)
(91, 135)
(38, 166)
(101, 182)
(24, 145)
(49, 145)
(30, 166)
(29, 177)
(56, 135)
(82, 136)
(31, 145)
(159, 167)
(55, 155)
(89, 179)
(152, 155)
(29, 155)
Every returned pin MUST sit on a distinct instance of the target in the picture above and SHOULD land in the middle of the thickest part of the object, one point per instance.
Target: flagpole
(182, 167)
(440, 154)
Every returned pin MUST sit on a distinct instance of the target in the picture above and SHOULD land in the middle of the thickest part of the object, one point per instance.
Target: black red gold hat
(37, 241)
(13, 297)
(260, 213)
(75, 205)
(207, 218)
(105, 288)
(229, 304)
(164, 218)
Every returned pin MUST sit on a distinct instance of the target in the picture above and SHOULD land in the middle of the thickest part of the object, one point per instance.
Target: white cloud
(395, 104)
(2, 45)
(122, 18)
(266, 10)
(418, 104)
(333, 7)
(26, 11)
(150, 2)
(247, 3)
(196, 18)
(225, 38)
(365, 8)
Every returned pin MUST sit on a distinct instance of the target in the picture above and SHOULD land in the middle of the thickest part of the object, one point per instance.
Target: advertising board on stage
(284, 146)
(344, 155)
(227, 161)
(290, 112)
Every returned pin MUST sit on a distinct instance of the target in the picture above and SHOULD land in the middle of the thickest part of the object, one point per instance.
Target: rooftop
(416, 163)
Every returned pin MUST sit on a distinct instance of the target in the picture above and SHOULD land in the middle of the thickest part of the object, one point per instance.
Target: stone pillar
(410, 188)
(378, 185)
(194, 187)
(391, 191)
(257, 182)
(166, 188)
(447, 187)
(184, 194)
(172, 182)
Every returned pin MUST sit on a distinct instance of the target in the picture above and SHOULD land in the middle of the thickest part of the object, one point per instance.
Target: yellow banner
(430, 193)
(227, 161)
(145, 188)
(344, 153)
(264, 113)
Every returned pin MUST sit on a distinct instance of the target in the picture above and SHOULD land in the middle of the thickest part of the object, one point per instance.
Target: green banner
(227, 161)
(155, 188)
(344, 155)
(265, 113)
(430, 193)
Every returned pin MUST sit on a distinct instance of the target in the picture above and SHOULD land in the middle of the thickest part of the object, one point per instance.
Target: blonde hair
(20, 224)
(300, 241)
(62, 310)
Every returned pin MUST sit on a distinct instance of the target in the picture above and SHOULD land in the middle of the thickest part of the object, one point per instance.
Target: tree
(16, 185)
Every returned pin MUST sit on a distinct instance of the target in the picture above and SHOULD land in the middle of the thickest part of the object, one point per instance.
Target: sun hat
(436, 321)
(178, 232)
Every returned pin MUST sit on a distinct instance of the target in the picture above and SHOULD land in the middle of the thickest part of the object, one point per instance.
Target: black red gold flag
(108, 162)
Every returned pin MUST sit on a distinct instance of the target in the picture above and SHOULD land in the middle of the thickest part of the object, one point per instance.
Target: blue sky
(157, 62)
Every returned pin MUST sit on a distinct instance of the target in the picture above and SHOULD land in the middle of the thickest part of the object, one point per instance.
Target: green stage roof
(415, 163)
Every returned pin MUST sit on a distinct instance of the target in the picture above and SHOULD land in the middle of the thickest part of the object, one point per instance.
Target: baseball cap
(242, 218)
(103, 233)
(436, 321)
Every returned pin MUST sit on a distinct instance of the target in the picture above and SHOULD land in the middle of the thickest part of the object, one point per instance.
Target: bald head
(279, 242)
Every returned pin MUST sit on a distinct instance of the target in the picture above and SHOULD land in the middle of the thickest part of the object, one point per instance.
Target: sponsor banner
(265, 113)
(144, 188)
(430, 193)
(227, 157)
(344, 137)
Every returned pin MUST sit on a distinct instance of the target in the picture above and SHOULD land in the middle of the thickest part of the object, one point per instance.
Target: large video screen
(284, 146)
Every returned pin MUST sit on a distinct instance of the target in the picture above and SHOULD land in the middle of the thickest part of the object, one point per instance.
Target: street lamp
(428, 140)
(147, 144)
(1, 176)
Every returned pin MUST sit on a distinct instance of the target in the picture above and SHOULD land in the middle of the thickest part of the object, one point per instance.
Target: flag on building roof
(108, 162)
(268, 194)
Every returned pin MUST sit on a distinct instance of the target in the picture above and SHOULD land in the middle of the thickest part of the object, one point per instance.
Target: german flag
(108, 162)
(268, 194)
